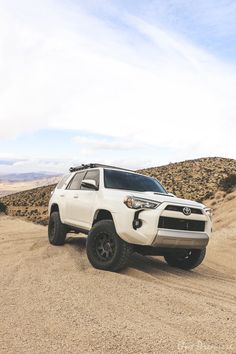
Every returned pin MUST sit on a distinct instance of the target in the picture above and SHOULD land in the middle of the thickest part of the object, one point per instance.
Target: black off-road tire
(189, 259)
(105, 249)
(56, 230)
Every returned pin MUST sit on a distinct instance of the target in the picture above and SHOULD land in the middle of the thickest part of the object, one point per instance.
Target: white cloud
(105, 144)
(35, 165)
(62, 68)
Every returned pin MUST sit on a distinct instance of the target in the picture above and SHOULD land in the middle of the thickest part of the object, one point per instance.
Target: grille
(181, 224)
(180, 208)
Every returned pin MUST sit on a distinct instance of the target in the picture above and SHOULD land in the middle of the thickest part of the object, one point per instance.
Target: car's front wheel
(186, 259)
(56, 230)
(105, 249)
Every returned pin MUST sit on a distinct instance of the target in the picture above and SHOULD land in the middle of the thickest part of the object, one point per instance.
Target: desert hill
(30, 204)
(198, 179)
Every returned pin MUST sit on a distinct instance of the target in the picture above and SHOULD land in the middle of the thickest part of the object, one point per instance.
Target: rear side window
(62, 181)
(76, 181)
(94, 175)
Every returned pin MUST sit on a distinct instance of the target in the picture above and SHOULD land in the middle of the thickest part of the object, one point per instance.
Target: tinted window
(62, 181)
(131, 181)
(76, 181)
(94, 175)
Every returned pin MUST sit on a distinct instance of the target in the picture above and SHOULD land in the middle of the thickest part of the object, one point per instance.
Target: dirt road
(53, 301)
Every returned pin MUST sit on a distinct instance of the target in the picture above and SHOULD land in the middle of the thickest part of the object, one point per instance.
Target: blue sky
(132, 83)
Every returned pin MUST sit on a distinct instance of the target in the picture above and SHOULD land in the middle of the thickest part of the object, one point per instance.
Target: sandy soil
(53, 301)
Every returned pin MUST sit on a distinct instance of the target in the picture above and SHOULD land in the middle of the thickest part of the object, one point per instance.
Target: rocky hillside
(198, 179)
(31, 204)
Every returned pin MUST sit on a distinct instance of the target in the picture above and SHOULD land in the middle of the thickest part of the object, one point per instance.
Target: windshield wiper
(160, 193)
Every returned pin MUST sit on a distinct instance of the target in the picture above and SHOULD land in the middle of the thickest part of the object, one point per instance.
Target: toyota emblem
(186, 211)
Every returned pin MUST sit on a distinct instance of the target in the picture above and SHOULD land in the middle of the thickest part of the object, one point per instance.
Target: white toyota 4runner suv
(124, 212)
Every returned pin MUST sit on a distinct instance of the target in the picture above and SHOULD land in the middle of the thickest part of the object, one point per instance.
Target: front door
(80, 201)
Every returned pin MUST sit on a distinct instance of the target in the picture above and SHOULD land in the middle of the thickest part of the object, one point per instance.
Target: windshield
(131, 181)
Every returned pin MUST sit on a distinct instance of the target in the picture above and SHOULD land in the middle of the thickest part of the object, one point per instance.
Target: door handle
(62, 195)
(76, 196)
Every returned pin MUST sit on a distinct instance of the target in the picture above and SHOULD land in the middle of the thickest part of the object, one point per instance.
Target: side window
(62, 181)
(76, 181)
(94, 175)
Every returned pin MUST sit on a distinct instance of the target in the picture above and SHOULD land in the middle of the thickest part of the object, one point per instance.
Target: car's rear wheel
(105, 249)
(56, 230)
(185, 259)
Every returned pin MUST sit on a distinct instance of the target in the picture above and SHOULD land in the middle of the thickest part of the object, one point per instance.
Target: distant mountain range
(17, 182)
(23, 177)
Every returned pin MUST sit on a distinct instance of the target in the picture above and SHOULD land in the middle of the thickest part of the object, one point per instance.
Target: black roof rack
(94, 165)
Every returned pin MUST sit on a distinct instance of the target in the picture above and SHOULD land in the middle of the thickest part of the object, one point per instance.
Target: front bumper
(150, 234)
(180, 239)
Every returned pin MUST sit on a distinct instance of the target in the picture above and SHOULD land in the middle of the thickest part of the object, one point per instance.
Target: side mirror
(89, 184)
(171, 194)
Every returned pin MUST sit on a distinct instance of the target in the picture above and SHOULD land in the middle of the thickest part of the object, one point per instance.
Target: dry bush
(228, 183)
(3, 208)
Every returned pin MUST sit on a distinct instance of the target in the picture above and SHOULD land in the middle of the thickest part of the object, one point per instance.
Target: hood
(167, 198)
(157, 197)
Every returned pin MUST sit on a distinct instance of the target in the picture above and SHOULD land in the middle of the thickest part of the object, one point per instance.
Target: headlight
(140, 203)
(209, 212)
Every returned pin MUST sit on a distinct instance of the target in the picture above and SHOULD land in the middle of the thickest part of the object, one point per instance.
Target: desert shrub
(3, 208)
(209, 195)
(43, 222)
(228, 184)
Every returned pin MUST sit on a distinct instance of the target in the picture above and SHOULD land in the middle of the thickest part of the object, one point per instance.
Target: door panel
(80, 201)
(80, 206)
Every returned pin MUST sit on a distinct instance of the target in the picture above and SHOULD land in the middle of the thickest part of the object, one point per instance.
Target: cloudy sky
(127, 82)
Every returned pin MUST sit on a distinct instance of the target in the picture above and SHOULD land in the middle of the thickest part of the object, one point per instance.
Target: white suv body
(91, 193)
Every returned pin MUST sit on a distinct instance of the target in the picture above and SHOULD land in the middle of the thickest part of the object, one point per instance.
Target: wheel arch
(102, 214)
(54, 207)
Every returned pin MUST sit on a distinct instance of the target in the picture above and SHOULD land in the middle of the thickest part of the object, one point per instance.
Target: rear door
(80, 201)
(70, 196)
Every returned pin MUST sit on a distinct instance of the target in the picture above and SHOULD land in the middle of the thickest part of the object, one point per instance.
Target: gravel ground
(53, 301)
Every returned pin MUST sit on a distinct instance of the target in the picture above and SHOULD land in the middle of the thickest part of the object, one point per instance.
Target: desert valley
(13, 183)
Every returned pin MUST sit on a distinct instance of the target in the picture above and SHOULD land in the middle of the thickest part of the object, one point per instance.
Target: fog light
(137, 223)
